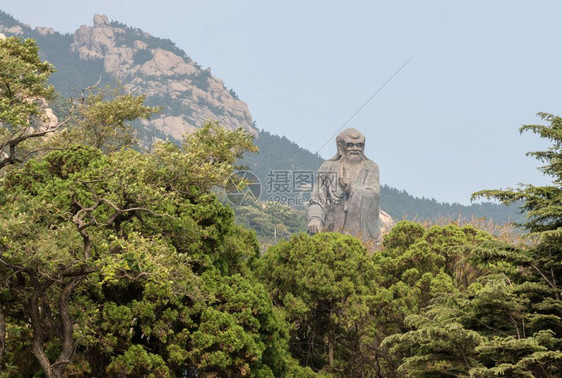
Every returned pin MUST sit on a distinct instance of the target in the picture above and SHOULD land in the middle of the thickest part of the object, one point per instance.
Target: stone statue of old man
(346, 193)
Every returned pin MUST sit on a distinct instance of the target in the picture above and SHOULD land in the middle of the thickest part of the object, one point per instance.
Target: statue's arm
(316, 206)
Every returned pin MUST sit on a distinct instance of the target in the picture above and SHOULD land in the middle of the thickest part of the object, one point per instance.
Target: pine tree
(536, 283)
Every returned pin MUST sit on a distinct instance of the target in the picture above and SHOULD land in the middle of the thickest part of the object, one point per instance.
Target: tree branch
(552, 284)
(23, 134)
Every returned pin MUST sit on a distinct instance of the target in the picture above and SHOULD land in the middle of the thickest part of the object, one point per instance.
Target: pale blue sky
(444, 127)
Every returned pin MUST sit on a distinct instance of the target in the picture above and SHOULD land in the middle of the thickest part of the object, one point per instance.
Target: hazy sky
(444, 127)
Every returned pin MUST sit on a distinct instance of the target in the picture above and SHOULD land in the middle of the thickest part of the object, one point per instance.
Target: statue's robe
(356, 213)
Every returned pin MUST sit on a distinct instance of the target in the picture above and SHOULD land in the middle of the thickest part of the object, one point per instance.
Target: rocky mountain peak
(153, 67)
(101, 19)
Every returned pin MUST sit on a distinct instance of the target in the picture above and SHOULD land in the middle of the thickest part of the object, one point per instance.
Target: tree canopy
(23, 91)
(121, 262)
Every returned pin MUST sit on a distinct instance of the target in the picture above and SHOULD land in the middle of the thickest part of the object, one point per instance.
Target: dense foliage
(324, 284)
(121, 263)
(439, 301)
(272, 222)
(23, 85)
(112, 257)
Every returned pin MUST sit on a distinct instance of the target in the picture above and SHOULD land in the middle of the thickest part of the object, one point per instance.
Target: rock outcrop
(143, 66)
(386, 222)
(155, 68)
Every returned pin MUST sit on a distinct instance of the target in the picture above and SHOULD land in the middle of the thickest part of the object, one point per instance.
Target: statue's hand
(314, 226)
(345, 184)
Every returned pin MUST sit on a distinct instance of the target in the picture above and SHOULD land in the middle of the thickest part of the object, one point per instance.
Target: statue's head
(351, 145)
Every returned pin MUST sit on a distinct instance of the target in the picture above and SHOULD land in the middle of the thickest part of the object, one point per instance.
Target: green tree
(128, 262)
(272, 222)
(324, 283)
(420, 264)
(438, 344)
(119, 263)
(501, 315)
(539, 267)
(418, 267)
(100, 120)
(23, 92)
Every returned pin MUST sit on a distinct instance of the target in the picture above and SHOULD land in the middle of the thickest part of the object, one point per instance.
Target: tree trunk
(330, 352)
(38, 333)
(2, 335)
(67, 341)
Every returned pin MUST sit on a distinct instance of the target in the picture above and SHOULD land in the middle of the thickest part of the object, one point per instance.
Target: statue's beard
(352, 164)
(353, 159)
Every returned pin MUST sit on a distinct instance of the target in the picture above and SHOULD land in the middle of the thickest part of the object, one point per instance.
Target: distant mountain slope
(279, 153)
(400, 204)
(143, 64)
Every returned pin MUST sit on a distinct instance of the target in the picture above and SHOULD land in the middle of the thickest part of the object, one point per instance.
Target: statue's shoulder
(329, 166)
(371, 164)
